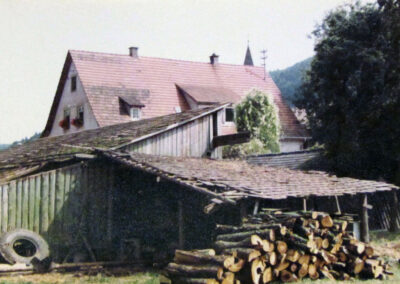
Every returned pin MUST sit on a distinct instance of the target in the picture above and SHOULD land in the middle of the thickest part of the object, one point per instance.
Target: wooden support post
(243, 210)
(338, 205)
(256, 205)
(110, 189)
(364, 218)
(311, 203)
(304, 204)
(394, 211)
(180, 225)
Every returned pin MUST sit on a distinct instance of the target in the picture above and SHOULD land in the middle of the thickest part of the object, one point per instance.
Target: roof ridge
(163, 58)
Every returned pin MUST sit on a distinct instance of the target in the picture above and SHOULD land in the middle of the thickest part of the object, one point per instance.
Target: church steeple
(248, 60)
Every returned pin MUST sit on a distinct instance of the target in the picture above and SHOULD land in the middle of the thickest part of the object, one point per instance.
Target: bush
(258, 114)
(254, 146)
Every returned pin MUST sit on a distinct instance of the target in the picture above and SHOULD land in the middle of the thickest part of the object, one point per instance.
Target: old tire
(9, 239)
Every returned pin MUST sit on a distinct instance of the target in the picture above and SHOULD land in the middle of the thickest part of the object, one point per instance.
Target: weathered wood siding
(59, 204)
(190, 140)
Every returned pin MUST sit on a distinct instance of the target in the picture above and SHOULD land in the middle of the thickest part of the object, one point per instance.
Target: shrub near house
(257, 114)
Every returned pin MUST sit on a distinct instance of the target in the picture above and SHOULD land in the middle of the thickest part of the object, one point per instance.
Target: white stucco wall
(291, 146)
(72, 100)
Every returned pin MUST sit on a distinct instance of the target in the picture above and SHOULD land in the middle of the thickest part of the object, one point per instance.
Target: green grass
(137, 278)
(381, 237)
(392, 279)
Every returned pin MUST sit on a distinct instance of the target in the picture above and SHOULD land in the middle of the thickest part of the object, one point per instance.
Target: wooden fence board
(19, 204)
(37, 198)
(59, 200)
(4, 202)
(44, 204)
(25, 204)
(52, 196)
(12, 204)
(1, 206)
(31, 196)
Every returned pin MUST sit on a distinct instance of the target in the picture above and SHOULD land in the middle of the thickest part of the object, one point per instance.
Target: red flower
(77, 122)
(64, 123)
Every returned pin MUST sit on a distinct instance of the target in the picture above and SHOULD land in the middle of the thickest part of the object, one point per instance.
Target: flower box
(78, 122)
(64, 123)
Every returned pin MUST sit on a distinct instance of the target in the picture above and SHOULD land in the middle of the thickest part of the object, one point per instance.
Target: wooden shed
(151, 184)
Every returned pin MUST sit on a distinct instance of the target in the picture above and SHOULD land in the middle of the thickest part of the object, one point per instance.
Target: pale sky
(35, 37)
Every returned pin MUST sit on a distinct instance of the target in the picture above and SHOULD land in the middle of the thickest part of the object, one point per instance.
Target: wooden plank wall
(190, 140)
(59, 204)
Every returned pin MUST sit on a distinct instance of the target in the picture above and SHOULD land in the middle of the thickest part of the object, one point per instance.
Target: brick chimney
(133, 52)
(214, 59)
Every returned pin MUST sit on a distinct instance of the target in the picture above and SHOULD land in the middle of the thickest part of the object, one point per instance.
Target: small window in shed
(229, 114)
(178, 109)
(73, 83)
(134, 113)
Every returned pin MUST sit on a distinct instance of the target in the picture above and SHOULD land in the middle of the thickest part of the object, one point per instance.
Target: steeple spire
(248, 60)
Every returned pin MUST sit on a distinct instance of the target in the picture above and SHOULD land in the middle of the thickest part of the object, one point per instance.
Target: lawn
(137, 278)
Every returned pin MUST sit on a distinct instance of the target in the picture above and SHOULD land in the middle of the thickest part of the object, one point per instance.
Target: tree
(351, 93)
(257, 114)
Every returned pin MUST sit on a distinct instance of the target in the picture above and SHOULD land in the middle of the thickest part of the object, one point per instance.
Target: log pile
(280, 246)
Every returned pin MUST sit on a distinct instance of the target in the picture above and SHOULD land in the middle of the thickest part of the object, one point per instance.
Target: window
(134, 113)
(80, 113)
(67, 113)
(177, 109)
(73, 84)
(229, 115)
(65, 122)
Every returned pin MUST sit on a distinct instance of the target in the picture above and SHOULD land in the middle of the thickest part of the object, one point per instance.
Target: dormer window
(73, 83)
(134, 112)
(131, 105)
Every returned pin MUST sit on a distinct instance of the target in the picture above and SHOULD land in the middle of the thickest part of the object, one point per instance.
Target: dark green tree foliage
(288, 80)
(352, 92)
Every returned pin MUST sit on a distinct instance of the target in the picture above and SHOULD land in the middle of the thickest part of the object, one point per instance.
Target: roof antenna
(263, 58)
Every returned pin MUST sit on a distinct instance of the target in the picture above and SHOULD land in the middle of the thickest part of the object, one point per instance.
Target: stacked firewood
(286, 246)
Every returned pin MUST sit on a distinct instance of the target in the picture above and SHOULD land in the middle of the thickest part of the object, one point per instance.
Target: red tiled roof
(103, 74)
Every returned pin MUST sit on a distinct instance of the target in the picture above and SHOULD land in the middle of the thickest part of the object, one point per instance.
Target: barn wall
(190, 140)
(61, 203)
(105, 203)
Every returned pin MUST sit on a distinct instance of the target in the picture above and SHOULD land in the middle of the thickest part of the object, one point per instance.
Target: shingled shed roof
(60, 147)
(231, 180)
(291, 160)
(106, 76)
